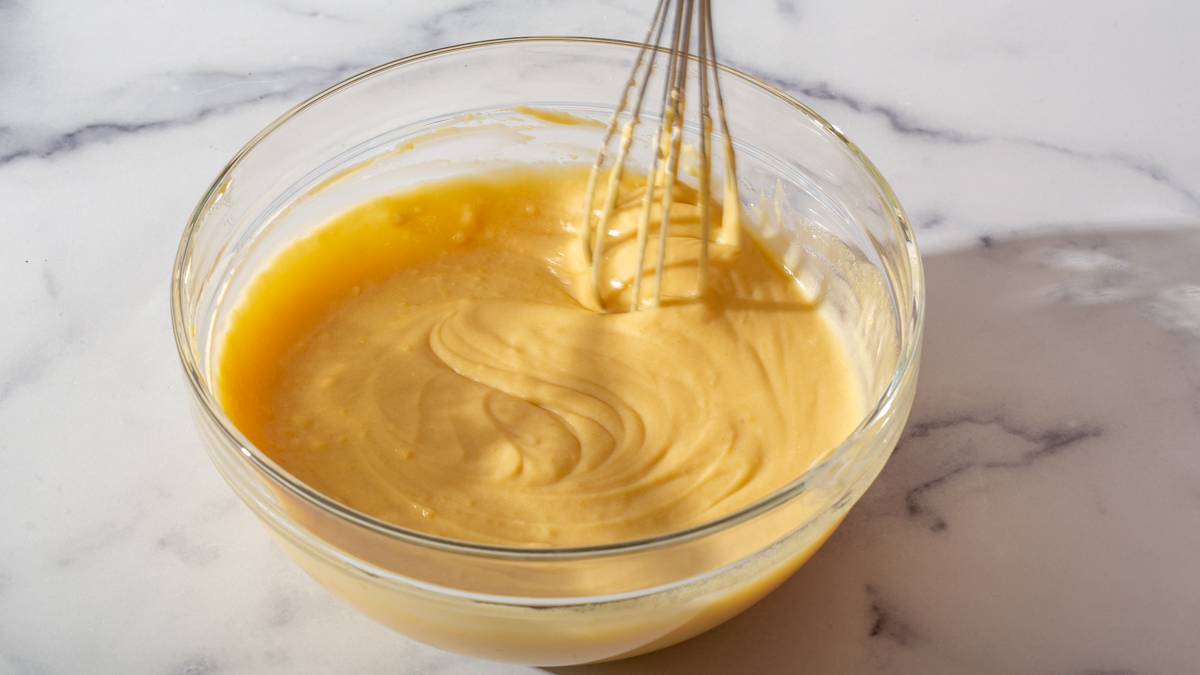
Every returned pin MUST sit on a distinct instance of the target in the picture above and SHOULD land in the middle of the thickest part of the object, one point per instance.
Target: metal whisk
(680, 19)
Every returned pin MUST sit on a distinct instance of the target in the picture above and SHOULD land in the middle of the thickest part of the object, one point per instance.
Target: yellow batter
(430, 358)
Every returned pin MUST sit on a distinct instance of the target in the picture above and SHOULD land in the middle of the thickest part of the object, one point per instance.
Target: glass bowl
(816, 203)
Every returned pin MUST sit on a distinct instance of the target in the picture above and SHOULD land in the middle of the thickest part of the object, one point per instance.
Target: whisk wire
(705, 144)
(731, 218)
(666, 149)
(677, 77)
(657, 22)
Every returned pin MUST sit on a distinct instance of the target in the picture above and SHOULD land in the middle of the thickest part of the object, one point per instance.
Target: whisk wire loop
(666, 146)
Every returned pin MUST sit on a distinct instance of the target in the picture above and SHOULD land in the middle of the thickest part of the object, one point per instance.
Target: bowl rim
(904, 371)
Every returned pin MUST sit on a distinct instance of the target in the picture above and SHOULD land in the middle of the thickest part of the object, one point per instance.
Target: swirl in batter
(430, 358)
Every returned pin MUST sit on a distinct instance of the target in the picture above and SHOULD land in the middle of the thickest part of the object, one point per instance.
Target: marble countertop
(1040, 515)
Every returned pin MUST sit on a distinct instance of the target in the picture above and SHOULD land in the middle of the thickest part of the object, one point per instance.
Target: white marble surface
(1041, 515)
